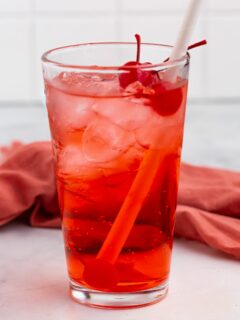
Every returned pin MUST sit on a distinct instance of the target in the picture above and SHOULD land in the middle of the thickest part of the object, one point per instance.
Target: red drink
(101, 132)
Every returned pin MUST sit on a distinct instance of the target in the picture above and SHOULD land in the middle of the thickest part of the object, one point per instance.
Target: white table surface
(204, 284)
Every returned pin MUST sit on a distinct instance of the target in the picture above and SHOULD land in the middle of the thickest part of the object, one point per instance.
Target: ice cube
(89, 84)
(147, 134)
(128, 161)
(69, 110)
(72, 162)
(159, 135)
(68, 114)
(128, 114)
(103, 141)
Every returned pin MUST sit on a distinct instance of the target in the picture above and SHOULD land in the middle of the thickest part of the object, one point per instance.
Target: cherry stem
(194, 45)
(138, 39)
(197, 44)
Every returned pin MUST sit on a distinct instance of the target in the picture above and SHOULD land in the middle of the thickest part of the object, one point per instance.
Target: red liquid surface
(99, 139)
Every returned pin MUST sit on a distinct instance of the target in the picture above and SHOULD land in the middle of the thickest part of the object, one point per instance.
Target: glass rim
(173, 63)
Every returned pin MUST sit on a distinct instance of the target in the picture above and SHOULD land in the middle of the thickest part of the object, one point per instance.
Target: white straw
(184, 34)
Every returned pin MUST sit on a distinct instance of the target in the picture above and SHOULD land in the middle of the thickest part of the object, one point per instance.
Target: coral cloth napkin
(208, 206)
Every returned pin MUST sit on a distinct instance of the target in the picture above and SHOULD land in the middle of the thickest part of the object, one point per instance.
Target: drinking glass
(117, 134)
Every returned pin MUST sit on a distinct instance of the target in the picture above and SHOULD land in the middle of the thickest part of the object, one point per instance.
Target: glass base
(117, 300)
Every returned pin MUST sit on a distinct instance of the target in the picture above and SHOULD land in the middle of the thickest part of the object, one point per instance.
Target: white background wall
(29, 27)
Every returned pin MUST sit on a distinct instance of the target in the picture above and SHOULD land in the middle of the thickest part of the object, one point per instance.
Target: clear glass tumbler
(117, 133)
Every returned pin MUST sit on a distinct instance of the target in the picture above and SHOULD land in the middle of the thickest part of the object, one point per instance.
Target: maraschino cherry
(163, 96)
(135, 72)
(167, 99)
